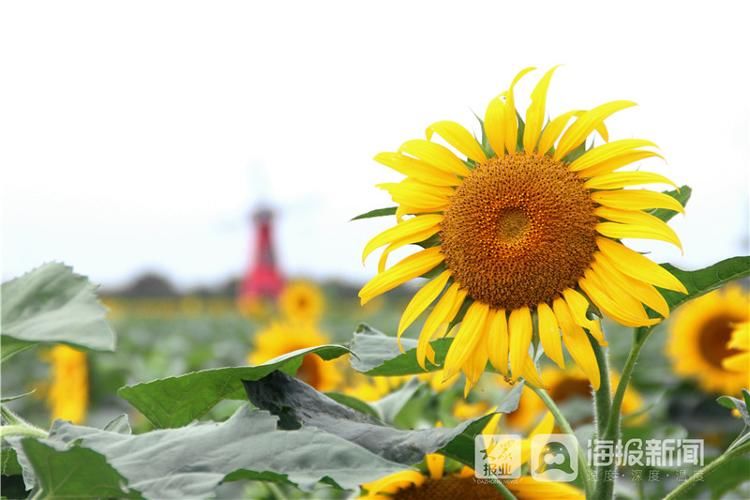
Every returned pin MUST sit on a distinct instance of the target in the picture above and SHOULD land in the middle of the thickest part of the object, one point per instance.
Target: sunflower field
(518, 334)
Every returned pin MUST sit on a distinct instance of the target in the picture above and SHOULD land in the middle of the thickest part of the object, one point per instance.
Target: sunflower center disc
(520, 229)
(449, 487)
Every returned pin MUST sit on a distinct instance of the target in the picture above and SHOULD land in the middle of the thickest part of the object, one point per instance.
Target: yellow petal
(617, 180)
(595, 156)
(494, 125)
(439, 315)
(549, 334)
(644, 292)
(553, 130)
(636, 199)
(544, 427)
(520, 330)
(407, 269)
(497, 341)
(511, 119)
(577, 343)
(458, 137)
(476, 363)
(585, 124)
(435, 465)
(616, 162)
(418, 194)
(530, 374)
(404, 229)
(619, 231)
(469, 334)
(737, 362)
(434, 154)
(655, 228)
(604, 298)
(407, 240)
(639, 267)
(579, 307)
(418, 170)
(421, 300)
(527, 487)
(535, 114)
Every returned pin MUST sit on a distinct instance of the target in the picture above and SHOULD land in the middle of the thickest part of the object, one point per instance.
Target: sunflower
(301, 301)
(526, 223)
(282, 337)
(68, 396)
(440, 483)
(373, 388)
(702, 340)
(740, 341)
(565, 386)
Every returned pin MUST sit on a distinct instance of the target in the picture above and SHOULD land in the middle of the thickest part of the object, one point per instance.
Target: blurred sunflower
(565, 386)
(282, 337)
(302, 302)
(740, 341)
(68, 396)
(440, 483)
(529, 221)
(701, 340)
(373, 388)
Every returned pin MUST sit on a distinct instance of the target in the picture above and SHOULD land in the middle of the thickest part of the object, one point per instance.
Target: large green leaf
(191, 461)
(376, 353)
(299, 405)
(705, 280)
(177, 401)
(52, 304)
(682, 195)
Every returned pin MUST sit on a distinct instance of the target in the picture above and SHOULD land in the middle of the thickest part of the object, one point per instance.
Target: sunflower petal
(417, 169)
(407, 269)
(617, 180)
(620, 231)
(511, 119)
(520, 330)
(439, 315)
(476, 364)
(406, 240)
(585, 124)
(494, 125)
(421, 300)
(577, 342)
(530, 373)
(636, 199)
(535, 113)
(436, 155)
(435, 465)
(658, 229)
(497, 340)
(553, 130)
(549, 334)
(616, 162)
(639, 267)
(458, 137)
(402, 230)
(469, 334)
(611, 307)
(643, 292)
(602, 153)
(579, 308)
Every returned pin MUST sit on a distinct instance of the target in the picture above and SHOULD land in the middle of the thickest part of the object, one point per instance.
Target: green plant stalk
(603, 396)
(564, 425)
(504, 491)
(708, 469)
(21, 430)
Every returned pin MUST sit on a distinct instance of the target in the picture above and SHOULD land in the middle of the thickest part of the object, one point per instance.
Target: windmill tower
(263, 280)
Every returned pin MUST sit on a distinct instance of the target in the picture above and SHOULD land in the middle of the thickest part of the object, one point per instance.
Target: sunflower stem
(504, 491)
(564, 425)
(603, 395)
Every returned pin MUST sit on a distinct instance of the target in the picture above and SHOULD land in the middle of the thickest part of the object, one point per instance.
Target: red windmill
(263, 280)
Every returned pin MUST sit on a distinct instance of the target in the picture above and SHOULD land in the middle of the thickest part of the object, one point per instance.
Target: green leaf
(739, 404)
(177, 401)
(682, 195)
(705, 280)
(75, 472)
(378, 212)
(53, 305)
(376, 353)
(391, 405)
(9, 461)
(353, 403)
(191, 461)
(299, 405)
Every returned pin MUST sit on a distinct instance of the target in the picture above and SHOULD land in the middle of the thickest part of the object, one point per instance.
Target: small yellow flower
(702, 341)
(68, 395)
(302, 301)
(528, 223)
(283, 337)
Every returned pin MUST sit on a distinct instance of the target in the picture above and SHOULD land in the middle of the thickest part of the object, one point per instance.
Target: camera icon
(554, 457)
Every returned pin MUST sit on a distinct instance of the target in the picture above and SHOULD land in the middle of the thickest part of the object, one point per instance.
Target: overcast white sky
(137, 135)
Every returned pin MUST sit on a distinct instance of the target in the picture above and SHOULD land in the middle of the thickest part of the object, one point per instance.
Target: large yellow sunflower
(701, 341)
(282, 337)
(439, 484)
(68, 396)
(528, 224)
(301, 301)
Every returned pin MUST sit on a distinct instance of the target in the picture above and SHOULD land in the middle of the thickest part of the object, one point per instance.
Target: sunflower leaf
(299, 406)
(682, 195)
(177, 401)
(704, 280)
(51, 304)
(378, 212)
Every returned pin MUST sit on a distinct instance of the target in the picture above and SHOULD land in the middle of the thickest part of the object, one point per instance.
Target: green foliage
(52, 305)
(705, 280)
(378, 212)
(176, 401)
